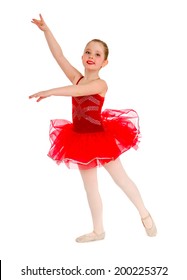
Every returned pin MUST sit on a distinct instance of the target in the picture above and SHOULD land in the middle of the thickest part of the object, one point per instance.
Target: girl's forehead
(95, 46)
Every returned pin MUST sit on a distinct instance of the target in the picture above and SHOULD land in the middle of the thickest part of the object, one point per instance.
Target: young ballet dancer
(94, 138)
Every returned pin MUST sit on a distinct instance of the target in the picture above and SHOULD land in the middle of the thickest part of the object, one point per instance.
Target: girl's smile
(90, 62)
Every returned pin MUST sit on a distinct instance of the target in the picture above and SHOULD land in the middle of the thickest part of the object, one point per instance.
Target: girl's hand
(40, 23)
(40, 95)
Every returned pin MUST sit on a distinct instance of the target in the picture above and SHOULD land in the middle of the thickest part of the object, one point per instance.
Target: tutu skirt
(88, 150)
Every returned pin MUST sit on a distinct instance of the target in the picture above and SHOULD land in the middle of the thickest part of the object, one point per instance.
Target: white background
(43, 206)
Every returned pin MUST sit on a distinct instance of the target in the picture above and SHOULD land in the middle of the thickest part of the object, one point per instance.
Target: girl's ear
(105, 63)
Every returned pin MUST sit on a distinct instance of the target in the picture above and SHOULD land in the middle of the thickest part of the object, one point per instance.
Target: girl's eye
(87, 52)
(98, 54)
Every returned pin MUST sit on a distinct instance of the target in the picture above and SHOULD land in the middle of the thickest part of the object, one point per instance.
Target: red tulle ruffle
(88, 150)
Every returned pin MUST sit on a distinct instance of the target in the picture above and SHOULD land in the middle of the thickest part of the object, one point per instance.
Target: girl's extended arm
(94, 87)
(71, 73)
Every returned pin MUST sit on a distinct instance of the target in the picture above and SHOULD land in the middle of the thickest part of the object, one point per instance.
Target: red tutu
(94, 138)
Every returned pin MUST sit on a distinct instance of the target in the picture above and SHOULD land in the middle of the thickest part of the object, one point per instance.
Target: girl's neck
(89, 76)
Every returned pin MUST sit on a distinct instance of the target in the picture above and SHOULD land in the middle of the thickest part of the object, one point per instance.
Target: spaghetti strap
(79, 80)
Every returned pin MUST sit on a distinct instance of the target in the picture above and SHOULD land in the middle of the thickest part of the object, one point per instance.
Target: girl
(94, 138)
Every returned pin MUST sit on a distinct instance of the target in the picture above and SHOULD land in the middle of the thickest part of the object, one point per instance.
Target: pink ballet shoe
(90, 237)
(152, 231)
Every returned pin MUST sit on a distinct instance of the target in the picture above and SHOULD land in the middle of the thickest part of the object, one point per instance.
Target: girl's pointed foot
(93, 236)
(150, 230)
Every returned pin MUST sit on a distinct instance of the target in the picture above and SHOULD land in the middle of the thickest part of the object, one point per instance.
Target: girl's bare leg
(89, 178)
(121, 178)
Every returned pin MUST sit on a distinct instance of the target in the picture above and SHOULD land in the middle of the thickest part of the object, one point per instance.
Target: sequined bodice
(86, 113)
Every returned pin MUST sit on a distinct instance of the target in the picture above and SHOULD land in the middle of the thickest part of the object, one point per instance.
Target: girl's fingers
(34, 95)
(31, 96)
(41, 17)
(36, 21)
(40, 98)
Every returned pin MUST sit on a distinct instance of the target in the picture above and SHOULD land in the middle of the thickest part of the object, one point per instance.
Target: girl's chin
(91, 68)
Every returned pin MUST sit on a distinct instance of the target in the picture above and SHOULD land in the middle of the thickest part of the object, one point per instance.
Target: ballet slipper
(90, 237)
(152, 231)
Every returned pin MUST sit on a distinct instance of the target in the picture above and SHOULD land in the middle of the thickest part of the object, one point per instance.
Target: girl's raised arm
(72, 73)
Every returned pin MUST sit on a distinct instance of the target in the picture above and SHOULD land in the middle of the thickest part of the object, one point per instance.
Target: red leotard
(95, 137)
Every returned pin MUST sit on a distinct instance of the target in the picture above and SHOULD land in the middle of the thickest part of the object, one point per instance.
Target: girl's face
(94, 57)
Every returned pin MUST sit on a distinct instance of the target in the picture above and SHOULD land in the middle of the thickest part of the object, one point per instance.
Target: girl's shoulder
(98, 84)
(105, 87)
